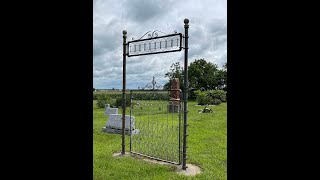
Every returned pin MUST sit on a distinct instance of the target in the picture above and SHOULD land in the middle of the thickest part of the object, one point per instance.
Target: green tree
(203, 75)
(176, 71)
(166, 86)
(222, 78)
(225, 77)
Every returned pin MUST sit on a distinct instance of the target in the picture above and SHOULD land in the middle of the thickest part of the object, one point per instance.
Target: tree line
(202, 75)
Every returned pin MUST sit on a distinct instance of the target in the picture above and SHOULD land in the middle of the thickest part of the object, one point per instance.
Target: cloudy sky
(207, 37)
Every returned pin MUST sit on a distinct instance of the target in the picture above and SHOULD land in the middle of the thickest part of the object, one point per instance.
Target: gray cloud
(144, 10)
(207, 32)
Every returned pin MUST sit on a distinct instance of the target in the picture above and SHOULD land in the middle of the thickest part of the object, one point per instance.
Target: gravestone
(114, 124)
(174, 103)
(109, 110)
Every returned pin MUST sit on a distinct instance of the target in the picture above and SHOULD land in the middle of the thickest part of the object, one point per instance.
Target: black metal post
(180, 112)
(185, 95)
(130, 119)
(124, 91)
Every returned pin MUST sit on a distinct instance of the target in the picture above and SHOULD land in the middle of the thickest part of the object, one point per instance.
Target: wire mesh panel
(157, 119)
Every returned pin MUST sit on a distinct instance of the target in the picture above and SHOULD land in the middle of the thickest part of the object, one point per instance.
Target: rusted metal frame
(184, 151)
(185, 95)
(158, 37)
(124, 92)
(130, 120)
(155, 52)
(148, 39)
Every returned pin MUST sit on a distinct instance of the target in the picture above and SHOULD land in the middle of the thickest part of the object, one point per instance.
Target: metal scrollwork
(145, 34)
(153, 34)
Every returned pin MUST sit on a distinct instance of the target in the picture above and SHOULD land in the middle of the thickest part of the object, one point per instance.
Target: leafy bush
(115, 99)
(110, 95)
(151, 96)
(164, 95)
(214, 97)
(192, 94)
(203, 98)
(95, 96)
(216, 101)
(118, 102)
(103, 99)
(218, 94)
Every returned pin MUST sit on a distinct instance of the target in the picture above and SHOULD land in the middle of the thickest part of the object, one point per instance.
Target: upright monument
(174, 103)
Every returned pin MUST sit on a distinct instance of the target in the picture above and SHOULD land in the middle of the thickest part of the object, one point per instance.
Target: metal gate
(157, 125)
(155, 44)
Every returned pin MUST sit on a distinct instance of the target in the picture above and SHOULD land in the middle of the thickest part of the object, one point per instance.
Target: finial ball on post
(186, 21)
(124, 32)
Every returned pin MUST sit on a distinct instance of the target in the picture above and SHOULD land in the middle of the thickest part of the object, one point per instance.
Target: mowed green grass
(207, 148)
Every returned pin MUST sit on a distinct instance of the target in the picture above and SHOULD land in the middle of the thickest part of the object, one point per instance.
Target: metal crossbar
(155, 45)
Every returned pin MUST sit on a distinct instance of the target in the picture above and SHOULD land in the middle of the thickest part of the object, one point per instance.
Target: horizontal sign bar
(155, 45)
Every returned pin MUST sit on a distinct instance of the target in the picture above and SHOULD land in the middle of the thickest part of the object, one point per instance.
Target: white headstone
(115, 121)
(114, 124)
(109, 111)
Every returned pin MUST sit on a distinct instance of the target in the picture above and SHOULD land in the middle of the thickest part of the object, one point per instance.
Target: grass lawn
(207, 148)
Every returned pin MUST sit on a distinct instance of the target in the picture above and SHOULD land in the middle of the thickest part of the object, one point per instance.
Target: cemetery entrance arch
(154, 142)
